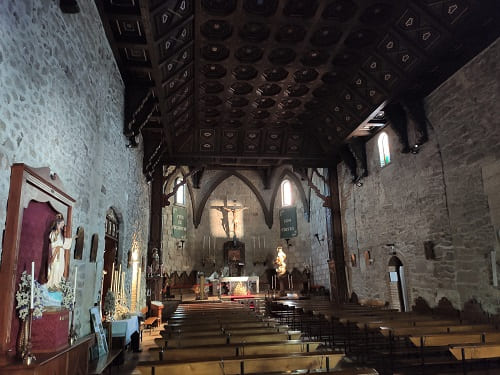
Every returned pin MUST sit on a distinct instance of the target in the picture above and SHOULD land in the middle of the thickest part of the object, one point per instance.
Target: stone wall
(442, 194)
(61, 106)
(260, 240)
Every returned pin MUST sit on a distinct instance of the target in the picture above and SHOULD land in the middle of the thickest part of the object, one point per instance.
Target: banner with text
(288, 222)
(179, 222)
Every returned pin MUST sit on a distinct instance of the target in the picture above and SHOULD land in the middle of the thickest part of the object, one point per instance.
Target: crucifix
(225, 210)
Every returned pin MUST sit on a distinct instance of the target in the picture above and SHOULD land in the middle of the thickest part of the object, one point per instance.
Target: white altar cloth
(125, 328)
(244, 279)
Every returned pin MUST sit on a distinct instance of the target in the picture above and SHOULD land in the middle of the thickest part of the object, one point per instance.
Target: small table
(125, 328)
(148, 323)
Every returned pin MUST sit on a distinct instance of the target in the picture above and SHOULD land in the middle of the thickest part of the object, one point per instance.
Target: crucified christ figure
(234, 210)
(227, 225)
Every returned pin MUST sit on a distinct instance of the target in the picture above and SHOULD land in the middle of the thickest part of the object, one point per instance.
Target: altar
(239, 285)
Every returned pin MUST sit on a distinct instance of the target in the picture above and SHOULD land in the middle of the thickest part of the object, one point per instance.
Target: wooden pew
(224, 332)
(180, 342)
(247, 365)
(457, 338)
(236, 350)
(471, 352)
(435, 329)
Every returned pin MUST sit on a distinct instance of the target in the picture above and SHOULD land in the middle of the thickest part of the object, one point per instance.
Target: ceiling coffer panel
(284, 79)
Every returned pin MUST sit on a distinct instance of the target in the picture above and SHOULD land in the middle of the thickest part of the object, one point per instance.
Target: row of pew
(393, 341)
(230, 338)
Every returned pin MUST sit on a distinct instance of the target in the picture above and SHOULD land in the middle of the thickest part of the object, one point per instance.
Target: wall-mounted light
(392, 251)
(319, 240)
(132, 142)
(180, 244)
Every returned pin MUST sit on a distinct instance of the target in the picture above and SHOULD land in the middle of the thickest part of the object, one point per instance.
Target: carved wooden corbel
(326, 199)
(176, 187)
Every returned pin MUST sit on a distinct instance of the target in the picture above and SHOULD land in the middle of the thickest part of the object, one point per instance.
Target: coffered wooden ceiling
(263, 82)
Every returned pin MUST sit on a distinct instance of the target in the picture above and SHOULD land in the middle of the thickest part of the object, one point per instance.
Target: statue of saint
(59, 255)
(280, 261)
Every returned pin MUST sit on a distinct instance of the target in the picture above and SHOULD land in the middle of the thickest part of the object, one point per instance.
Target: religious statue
(59, 255)
(280, 261)
(155, 262)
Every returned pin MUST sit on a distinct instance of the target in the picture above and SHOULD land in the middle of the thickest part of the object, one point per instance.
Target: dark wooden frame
(79, 242)
(26, 184)
(94, 247)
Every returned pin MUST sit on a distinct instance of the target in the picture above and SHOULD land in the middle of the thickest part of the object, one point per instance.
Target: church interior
(249, 186)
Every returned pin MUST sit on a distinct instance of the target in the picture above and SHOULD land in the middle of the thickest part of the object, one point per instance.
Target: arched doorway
(110, 250)
(397, 284)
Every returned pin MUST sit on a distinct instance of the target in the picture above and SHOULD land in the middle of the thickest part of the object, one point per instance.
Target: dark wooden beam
(338, 278)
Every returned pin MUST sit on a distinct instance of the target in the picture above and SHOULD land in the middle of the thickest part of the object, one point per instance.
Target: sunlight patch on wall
(226, 217)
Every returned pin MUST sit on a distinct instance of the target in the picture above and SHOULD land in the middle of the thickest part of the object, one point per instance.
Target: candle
(215, 239)
(264, 240)
(203, 242)
(209, 242)
(291, 280)
(74, 288)
(32, 284)
(123, 284)
(112, 274)
(258, 238)
(119, 279)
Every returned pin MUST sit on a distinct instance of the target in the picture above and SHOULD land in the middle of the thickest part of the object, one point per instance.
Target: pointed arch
(293, 178)
(224, 176)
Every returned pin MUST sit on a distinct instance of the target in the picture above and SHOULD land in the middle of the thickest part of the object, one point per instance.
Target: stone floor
(149, 352)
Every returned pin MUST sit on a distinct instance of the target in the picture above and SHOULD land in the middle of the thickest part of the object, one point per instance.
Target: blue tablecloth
(125, 328)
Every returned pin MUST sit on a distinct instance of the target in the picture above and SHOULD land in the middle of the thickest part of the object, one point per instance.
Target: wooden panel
(72, 360)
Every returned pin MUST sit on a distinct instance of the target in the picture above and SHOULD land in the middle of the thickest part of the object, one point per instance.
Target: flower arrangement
(23, 297)
(68, 294)
(109, 303)
(121, 311)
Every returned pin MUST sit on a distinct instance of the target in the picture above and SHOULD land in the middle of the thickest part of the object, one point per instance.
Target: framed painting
(96, 321)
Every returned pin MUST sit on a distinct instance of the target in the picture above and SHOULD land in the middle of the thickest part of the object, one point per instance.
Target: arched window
(179, 195)
(383, 149)
(286, 193)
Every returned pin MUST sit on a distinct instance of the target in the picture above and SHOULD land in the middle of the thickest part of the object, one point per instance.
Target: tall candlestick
(32, 284)
(123, 285)
(112, 274)
(74, 288)
(119, 279)
(115, 287)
